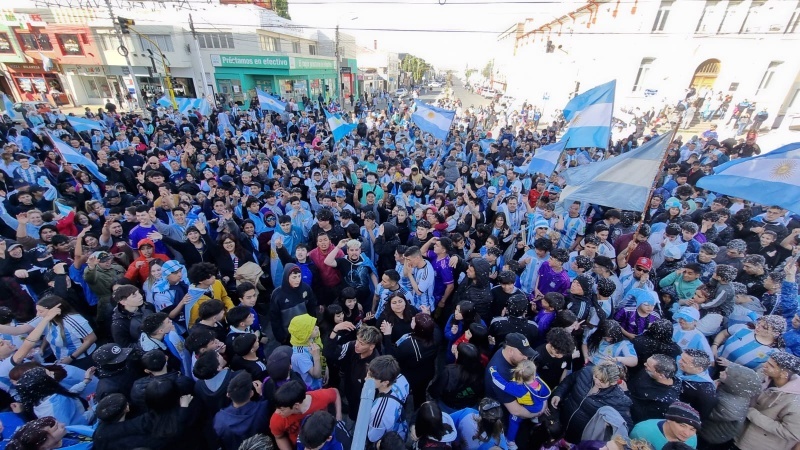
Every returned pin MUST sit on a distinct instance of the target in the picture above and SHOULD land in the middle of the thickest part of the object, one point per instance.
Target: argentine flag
(269, 102)
(769, 179)
(623, 182)
(185, 104)
(9, 107)
(83, 124)
(73, 157)
(339, 127)
(589, 117)
(545, 159)
(433, 120)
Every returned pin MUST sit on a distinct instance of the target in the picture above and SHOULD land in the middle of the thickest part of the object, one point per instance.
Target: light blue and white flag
(589, 117)
(546, 159)
(185, 104)
(72, 156)
(269, 102)
(433, 120)
(9, 107)
(83, 124)
(339, 127)
(622, 182)
(769, 179)
(486, 144)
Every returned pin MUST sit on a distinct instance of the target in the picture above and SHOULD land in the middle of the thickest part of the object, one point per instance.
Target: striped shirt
(573, 227)
(606, 349)
(75, 329)
(742, 348)
(528, 277)
(425, 277)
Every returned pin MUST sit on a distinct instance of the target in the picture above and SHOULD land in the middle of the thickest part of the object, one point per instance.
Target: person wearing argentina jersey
(421, 276)
(750, 348)
(574, 228)
(511, 209)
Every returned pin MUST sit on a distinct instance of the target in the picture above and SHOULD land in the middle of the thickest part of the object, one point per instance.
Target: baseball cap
(492, 190)
(687, 313)
(644, 263)
(520, 342)
(112, 193)
(102, 255)
(110, 354)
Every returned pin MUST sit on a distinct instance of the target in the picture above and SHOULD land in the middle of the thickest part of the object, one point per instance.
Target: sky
(443, 50)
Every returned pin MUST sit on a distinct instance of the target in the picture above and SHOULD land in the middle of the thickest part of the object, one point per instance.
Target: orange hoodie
(139, 269)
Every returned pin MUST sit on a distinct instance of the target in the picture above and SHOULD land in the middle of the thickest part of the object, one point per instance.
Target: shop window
(163, 41)
(70, 44)
(5, 44)
(312, 49)
(215, 40)
(34, 42)
(269, 43)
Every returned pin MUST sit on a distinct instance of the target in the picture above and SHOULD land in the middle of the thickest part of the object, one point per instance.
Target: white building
(378, 69)
(657, 50)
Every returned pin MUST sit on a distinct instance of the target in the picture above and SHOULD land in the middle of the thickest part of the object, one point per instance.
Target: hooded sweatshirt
(478, 290)
(288, 302)
(725, 420)
(774, 420)
(233, 425)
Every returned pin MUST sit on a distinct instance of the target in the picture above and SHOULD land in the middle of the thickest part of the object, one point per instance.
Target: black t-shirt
(550, 369)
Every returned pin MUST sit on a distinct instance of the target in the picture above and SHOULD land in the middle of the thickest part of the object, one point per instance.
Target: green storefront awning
(273, 65)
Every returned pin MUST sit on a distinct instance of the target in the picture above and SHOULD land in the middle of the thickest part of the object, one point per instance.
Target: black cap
(112, 193)
(520, 342)
(279, 363)
(110, 354)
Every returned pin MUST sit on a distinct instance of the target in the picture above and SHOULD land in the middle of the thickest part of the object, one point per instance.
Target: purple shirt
(550, 281)
(630, 320)
(138, 233)
(444, 274)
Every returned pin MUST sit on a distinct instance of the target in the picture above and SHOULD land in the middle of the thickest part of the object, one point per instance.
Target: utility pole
(124, 51)
(200, 58)
(338, 69)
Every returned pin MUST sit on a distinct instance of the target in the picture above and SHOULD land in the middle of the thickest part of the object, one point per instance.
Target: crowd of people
(231, 281)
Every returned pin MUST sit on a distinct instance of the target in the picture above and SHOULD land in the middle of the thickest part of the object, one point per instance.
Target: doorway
(706, 74)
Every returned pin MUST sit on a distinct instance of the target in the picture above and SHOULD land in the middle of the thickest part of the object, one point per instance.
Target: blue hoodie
(233, 425)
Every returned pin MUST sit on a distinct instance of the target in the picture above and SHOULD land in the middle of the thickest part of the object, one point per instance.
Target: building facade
(658, 50)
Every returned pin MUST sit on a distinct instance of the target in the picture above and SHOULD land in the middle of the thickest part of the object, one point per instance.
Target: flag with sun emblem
(770, 179)
(589, 117)
(339, 128)
(433, 120)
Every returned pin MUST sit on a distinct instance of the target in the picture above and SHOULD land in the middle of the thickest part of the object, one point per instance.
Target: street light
(338, 63)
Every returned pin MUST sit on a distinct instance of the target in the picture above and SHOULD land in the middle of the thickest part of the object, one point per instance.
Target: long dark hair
(238, 251)
(429, 423)
(606, 329)
(480, 338)
(468, 313)
(468, 362)
(388, 315)
(162, 398)
(35, 385)
(424, 327)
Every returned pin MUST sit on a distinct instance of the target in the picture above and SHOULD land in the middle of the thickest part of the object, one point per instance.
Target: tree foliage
(282, 8)
(416, 66)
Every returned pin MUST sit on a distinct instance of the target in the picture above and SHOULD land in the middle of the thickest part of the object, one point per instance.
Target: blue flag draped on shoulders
(83, 124)
(433, 120)
(269, 102)
(72, 156)
(622, 182)
(589, 117)
(545, 159)
(339, 127)
(770, 179)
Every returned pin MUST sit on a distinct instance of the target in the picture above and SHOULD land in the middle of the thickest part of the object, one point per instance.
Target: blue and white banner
(72, 156)
(83, 124)
(339, 127)
(545, 159)
(769, 179)
(185, 104)
(589, 116)
(8, 105)
(269, 102)
(622, 182)
(433, 120)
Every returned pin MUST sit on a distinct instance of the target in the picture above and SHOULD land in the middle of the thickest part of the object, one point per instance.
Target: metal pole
(362, 420)
(338, 69)
(165, 63)
(118, 30)
(200, 59)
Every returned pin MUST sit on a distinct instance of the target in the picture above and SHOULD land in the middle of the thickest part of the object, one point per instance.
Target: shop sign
(85, 70)
(345, 69)
(312, 64)
(24, 67)
(256, 62)
(21, 20)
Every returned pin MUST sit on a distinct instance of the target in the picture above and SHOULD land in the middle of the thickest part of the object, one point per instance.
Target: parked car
(434, 84)
(506, 100)
(488, 93)
(400, 93)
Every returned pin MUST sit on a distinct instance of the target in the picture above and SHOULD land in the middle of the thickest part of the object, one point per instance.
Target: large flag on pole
(623, 182)
(72, 156)
(83, 124)
(339, 127)
(9, 107)
(433, 120)
(186, 103)
(589, 117)
(267, 101)
(769, 179)
(546, 159)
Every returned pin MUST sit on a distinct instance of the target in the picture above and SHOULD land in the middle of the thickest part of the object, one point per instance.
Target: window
(215, 40)
(769, 74)
(728, 22)
(269, 43)
(70, 44)
(296, 47)
(30, 41)
(641, 75)
(662, 16)
(794, 22)
(163, 41)
(751, 23)
(707, 17)
(5, 44)
(312, 49)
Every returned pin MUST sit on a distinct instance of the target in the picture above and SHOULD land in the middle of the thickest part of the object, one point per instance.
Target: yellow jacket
(219, 292)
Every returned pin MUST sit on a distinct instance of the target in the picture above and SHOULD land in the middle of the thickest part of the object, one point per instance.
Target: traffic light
(124, 24)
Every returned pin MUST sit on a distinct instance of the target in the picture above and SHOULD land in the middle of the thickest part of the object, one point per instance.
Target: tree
(488, 70)
(468, 73)
(415, 66)
(282, 9)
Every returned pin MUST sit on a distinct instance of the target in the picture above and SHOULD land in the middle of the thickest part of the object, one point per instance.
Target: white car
(507, 100)
(402, 92)
(434, 84)
(488, 93)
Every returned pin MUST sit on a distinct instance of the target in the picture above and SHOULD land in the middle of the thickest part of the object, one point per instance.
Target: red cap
(644, 263)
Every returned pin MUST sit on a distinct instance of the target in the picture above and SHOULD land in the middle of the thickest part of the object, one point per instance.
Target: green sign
(313, 64)
(256, 62)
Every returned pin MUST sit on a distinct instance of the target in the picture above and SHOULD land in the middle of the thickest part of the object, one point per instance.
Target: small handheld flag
(269, 102)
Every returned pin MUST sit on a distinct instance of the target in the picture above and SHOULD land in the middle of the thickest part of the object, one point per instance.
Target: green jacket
(685, 289)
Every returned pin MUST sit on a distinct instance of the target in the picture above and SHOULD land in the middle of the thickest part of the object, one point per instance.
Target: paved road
(467, 98)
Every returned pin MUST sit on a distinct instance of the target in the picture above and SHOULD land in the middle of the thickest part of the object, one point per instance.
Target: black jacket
(456, 391)
(288, 302)
(502, 326)
(185, 384)
(127, 326)
(701, 395)
(353, 366)
(651, 398)
(577, 409)
(478, 290)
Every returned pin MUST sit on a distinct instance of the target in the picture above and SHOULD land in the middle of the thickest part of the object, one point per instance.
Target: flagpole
(658, 173)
